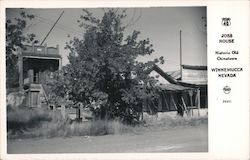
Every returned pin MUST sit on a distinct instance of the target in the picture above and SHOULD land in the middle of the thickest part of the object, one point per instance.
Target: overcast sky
(160, 25)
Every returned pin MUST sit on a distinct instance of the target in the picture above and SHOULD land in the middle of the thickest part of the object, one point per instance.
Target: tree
(15, 39)
(103, 73)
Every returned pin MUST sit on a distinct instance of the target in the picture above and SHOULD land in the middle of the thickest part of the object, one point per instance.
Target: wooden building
(195, 77)
(36, 67)
(186, 90)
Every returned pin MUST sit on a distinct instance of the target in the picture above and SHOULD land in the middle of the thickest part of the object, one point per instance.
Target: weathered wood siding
(190, 75)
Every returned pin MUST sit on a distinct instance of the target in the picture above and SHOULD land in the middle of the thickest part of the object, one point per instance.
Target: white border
(221, 146)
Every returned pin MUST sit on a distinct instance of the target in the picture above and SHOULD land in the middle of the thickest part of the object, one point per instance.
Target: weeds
(21, 120)
(170, 121)
(30, 123)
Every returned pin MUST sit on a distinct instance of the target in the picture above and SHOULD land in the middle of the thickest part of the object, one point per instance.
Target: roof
(174, 87)
(193, 83)
(41, 52)
(175, 74)
(164, 75)
(194, 67)
(192, 75)
(37, 55)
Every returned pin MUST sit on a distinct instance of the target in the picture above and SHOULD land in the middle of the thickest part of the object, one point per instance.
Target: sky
(161, 25)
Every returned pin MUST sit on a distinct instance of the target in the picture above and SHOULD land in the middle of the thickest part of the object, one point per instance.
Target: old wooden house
(195, 77)
(184, 91)
(36, 67)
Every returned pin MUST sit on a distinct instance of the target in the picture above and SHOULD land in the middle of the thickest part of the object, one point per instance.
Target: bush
(23, 118)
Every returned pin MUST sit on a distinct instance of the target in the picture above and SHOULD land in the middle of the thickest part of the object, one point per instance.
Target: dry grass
(30, 123)
(97, 128)
(167, 121)
(65, 129)
(21, 120)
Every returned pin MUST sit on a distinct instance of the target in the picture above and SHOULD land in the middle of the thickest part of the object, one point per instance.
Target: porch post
(60, 64)
(31, 75)
(60, 59)
(184, 105)
(199, 101)
(160, 103)
(191, 101)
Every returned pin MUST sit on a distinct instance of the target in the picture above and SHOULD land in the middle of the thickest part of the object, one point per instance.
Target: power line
(131, 23)
(49, 22)
(52, 27)
(133, 15)
(61, 28)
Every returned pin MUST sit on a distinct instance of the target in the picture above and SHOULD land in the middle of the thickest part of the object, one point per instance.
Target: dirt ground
(181, 139)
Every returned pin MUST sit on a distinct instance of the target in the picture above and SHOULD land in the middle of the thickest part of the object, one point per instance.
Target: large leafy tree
(103, 73)
(15, 38)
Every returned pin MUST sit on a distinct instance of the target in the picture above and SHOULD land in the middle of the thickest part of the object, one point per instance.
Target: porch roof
(41, 55)
(175, 87)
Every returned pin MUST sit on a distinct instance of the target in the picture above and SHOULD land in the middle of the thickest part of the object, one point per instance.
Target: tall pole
(20, 68)
(180, 56)
(52, 27)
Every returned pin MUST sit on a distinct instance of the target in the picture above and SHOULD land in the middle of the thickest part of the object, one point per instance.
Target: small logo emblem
(226, 21)
(226, 89)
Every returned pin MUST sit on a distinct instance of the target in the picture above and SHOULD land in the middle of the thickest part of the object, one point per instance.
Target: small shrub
(22, 119)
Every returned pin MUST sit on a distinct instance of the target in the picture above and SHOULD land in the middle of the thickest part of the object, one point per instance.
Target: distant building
(36, 67)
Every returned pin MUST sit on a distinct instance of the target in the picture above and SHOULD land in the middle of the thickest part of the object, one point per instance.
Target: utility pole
(180, 56)
(52, 27)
